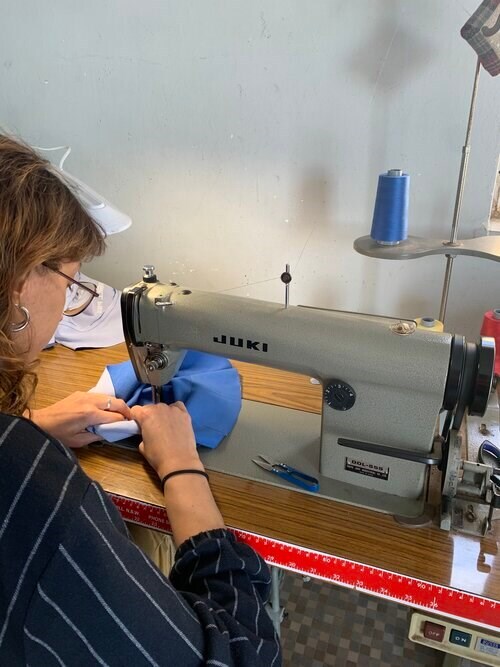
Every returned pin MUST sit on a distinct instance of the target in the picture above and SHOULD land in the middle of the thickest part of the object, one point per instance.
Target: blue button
(460, 638)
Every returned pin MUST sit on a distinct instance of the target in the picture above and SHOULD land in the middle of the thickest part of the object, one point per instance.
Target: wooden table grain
(466, 563)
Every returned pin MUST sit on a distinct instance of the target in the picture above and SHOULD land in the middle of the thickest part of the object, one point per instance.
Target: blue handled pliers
(288, 473)
(487, 447)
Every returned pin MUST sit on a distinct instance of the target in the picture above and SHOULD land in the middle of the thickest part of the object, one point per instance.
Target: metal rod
(286, 279)
(465, 157)
(274, 601)
(446, 288)
(287, 287)
(458, 198)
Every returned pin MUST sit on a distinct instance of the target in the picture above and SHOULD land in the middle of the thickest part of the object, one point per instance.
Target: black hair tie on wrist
(188, 471)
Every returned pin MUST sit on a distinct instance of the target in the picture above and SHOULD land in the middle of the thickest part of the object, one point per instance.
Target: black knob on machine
(339, 395)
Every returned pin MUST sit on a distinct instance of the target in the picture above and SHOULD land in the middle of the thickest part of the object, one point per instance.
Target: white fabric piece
(104, 385)
(100, 325)
(118, 430)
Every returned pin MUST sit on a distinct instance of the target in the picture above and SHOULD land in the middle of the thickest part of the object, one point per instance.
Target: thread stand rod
(459, 196)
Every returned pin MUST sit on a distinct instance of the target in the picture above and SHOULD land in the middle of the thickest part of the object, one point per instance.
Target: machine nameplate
(487, 646)
(247, 344)
(365, 468)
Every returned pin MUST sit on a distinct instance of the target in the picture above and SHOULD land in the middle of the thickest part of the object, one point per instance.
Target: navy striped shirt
(74, 590)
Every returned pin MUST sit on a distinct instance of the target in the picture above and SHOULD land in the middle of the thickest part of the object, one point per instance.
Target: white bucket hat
(108, 217)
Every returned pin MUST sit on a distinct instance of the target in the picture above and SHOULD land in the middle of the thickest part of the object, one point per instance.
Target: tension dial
(339, 395)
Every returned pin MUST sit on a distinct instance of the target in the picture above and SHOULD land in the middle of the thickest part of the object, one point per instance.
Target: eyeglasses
(79, 294)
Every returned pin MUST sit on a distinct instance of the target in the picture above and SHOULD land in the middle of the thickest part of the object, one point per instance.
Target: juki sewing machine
(394, 396)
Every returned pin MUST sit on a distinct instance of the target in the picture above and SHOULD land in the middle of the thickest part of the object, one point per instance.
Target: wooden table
(446, 573)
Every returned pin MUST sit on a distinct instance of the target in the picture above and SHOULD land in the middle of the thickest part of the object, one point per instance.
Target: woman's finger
(105, 410)
(137, 412)
(114, 404)
(82, 439)
(104, 417)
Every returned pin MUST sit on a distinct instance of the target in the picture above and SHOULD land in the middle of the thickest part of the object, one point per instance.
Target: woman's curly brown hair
(41, 221)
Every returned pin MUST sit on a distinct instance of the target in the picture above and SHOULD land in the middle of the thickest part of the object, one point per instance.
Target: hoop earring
(19, 326)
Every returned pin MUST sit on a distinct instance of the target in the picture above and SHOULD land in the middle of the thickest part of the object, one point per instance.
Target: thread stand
(487, 247)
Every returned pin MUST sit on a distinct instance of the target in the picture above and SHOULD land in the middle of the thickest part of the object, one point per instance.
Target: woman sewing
(74, 590)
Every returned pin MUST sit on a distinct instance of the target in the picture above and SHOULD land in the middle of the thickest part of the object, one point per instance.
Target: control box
(456, 638)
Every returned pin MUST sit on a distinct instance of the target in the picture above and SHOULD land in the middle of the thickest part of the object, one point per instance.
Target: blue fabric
(208, 385)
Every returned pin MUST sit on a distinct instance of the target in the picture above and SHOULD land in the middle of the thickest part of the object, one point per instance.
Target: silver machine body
(385, 383)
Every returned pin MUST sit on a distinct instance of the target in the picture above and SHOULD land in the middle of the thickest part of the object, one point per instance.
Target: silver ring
(108, 405)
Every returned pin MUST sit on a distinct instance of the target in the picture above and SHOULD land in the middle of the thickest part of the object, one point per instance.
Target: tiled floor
(328, 625)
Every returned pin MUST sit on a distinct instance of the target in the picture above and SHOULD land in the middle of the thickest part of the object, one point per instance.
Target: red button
(434, 631)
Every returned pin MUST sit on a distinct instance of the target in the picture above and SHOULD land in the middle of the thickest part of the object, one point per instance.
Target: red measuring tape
(417, 593)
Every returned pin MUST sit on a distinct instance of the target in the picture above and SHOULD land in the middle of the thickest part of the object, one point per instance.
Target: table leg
(273, 607)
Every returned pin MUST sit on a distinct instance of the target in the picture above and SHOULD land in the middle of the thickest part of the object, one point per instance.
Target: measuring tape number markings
(409, 591)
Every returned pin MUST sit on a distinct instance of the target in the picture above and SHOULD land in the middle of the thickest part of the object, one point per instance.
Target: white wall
(241, 136)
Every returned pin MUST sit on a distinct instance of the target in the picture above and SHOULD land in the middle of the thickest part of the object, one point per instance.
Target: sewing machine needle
(156, 393)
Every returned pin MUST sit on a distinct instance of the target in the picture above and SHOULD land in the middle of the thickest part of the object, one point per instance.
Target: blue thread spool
(390, 216)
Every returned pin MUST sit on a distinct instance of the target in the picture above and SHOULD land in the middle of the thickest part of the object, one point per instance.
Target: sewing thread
(390, 215)
(491, 328)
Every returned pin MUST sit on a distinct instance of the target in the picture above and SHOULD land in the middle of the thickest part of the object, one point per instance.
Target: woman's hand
(169, 444)
(68, 419)
(168, 439)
